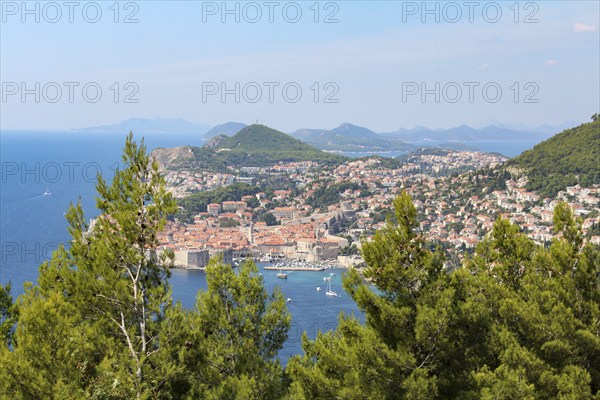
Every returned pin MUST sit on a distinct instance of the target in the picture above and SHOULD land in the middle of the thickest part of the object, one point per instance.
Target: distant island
(146, 126)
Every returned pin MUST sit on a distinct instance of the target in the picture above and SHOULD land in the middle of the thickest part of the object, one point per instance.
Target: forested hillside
(259, 145)
(566, 159)
(253, 146)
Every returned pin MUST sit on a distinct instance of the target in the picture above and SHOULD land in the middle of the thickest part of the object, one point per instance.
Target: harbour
(295, 265)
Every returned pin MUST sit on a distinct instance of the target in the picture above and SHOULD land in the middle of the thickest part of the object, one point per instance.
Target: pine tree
(518, 321)
(232, 336)
(544, 335)
(100, 323)
(383, 359)
(108, 293)
(8, 314)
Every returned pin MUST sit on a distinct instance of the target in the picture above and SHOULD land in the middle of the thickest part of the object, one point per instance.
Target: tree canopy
(517, 321)
(100, 323)
(566, 159)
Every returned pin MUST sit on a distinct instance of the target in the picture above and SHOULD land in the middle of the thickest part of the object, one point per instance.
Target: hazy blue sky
(375, 56)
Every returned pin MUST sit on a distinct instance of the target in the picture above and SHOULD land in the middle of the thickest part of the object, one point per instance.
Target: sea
(43, 172)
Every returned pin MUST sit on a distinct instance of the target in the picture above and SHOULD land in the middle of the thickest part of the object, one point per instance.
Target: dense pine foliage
(197, 202)
(518, 321)
(101, 323)
(330, 194)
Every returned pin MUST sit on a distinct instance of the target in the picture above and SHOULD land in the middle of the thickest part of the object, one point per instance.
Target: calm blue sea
(65, 164)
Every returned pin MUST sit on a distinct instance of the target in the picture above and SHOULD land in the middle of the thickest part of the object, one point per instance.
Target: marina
(295, 265)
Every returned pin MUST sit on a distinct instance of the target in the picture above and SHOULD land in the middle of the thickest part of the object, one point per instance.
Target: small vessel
(282, 275)
(332, 274)
(330, 292)
(318, 288)
(289, 300)
(47, 192)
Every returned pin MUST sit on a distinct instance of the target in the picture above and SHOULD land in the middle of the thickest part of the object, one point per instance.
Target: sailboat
(329, 292)
(47, 192)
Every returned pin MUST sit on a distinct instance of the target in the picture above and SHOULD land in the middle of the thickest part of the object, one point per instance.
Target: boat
(289, 300)
(282, 275)
(330, 292)
(318, 289)
(47, 192)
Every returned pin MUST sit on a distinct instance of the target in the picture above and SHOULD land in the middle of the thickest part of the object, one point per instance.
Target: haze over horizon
(369, 67)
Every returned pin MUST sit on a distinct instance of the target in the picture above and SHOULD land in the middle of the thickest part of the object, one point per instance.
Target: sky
(290, 65)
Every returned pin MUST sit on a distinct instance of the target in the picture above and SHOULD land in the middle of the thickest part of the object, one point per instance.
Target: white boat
(289, 300)
(330, 292)
(282, 275)
(47, 192)
(318, 289)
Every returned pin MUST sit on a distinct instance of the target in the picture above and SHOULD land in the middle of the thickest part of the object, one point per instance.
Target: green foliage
(204, 159)
(197, 202)
(385, 162)
(253, 146)
(232, 337)
(566, 159)
(517, 321)
(8, 314)
(93, 319)
(327, 195)
(228, 223)
(253, 203)
(100, 323)
(268, 218)
(259, 145)
(349, 250)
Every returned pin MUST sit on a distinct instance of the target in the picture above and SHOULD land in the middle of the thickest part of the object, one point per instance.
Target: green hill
(253, 146)
(566, 159)
(260, 145)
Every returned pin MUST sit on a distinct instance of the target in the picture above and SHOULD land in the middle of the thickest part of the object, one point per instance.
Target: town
(323, 220)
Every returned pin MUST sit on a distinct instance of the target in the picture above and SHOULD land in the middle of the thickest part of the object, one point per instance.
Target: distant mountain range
(464, 133)
(227, 129)
(145, 125)
(348, 137)
(546, 128)
(352, 138)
